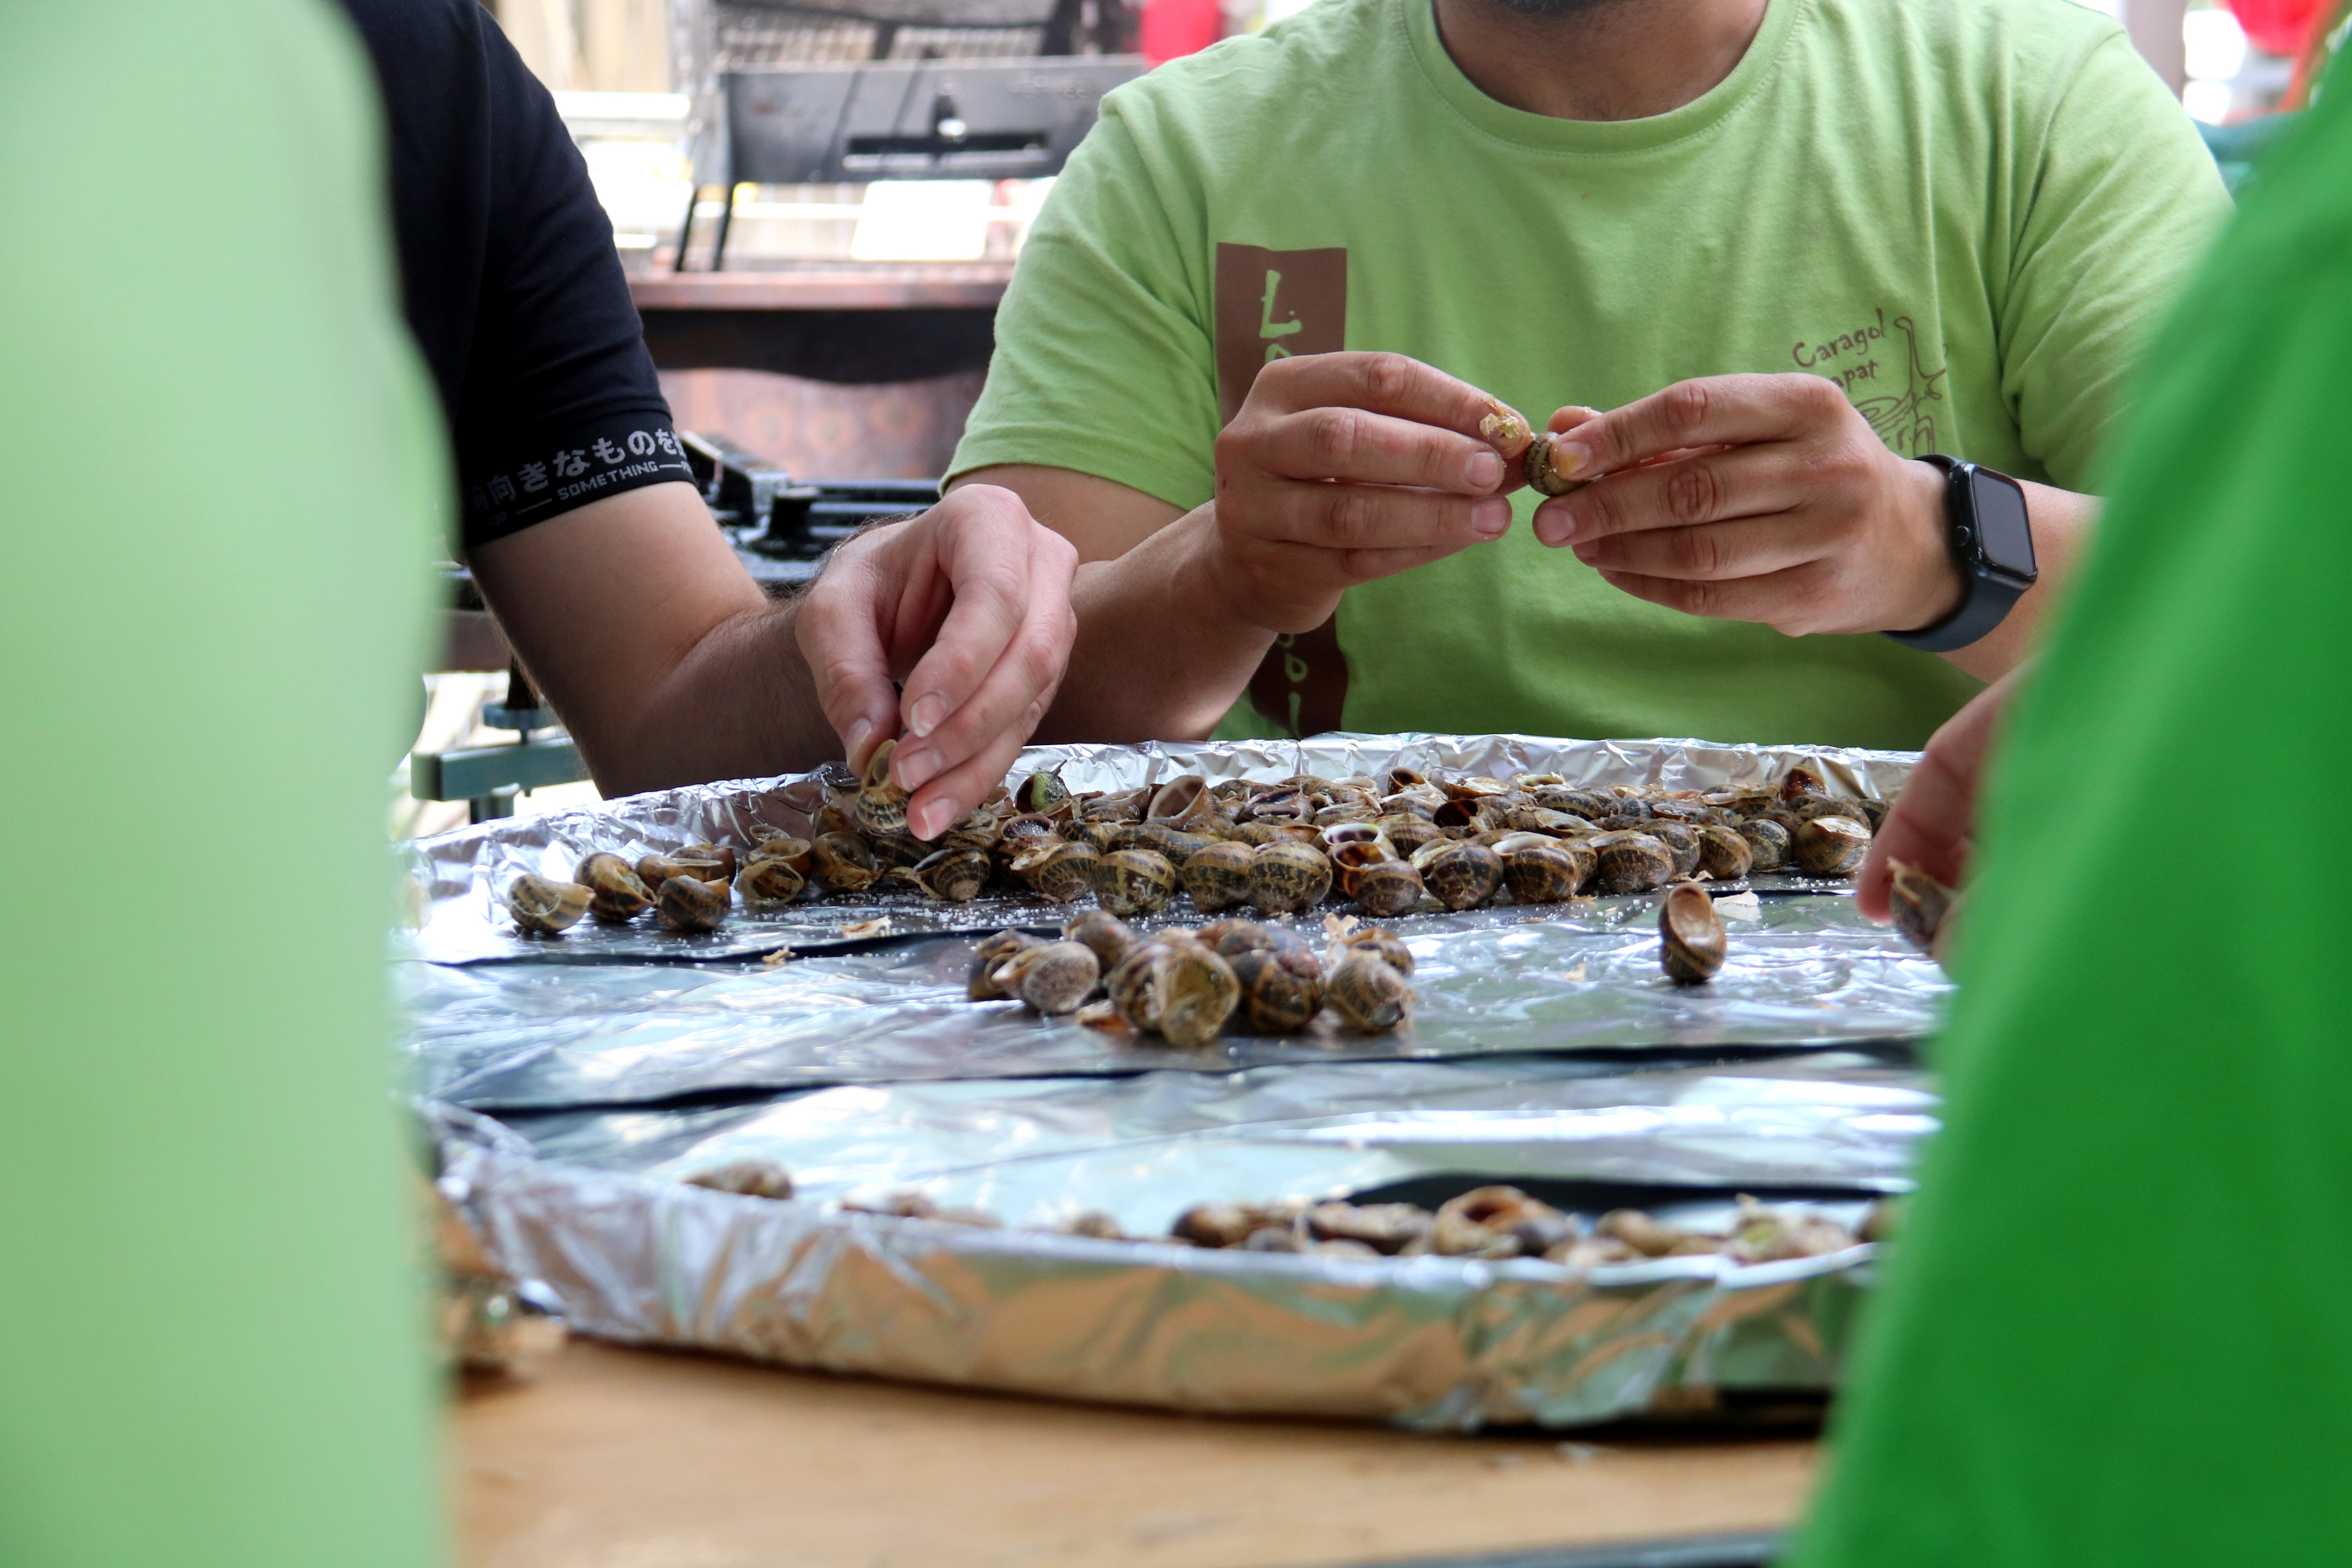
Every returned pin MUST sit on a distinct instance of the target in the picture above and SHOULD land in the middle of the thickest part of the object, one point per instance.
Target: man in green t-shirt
(1244, 357)
(2113, 1333)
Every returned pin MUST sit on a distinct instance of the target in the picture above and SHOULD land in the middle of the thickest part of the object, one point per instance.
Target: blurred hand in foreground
(1933, 824)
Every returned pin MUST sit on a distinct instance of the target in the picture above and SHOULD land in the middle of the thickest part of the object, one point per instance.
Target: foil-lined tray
(865, 1069)
(1431, 1343)
(454, 878)
(1806, 970)
(1036, 1151)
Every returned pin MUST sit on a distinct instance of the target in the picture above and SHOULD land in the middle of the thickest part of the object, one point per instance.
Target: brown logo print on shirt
(1271, 304)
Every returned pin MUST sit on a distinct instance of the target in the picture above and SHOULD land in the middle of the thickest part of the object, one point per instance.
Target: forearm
(2063, 522)
(665, 662)
(1159, 654)
(738, 703)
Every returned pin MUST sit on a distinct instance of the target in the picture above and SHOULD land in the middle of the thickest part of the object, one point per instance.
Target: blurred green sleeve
(219, 471)
(2118, 1332)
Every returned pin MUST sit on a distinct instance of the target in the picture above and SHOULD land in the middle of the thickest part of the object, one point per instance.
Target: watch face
(2002, 531)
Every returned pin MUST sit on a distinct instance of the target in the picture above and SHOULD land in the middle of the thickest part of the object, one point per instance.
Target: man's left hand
(1755, 497)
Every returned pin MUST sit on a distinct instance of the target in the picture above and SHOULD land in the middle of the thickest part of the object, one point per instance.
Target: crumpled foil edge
(1431, 1343)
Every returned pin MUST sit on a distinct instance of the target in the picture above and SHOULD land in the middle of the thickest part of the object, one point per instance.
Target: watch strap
(1989, 596)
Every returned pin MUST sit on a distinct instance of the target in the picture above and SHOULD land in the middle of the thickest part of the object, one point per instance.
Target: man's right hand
(1344, 467)
(968, 608)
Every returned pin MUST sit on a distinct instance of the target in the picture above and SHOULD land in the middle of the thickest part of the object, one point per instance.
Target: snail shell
(1134, 881)
(1723, 854)
(1198, 991)
(1177, 845)
(881, 804)
(1589, 805)
(1378, 941)
(749, 1178)
(899, 851)
(1537, 464)
(1680, 840)
(1281, 991)
(1768, 843)
(1631, 862)
(979, 829)
(1384, 1227)
(1040, 792)
(1367, 991)
(1832, 846)
(1692, 943)
(687, 903)
(1545, 875)
(1102, 931)
(707, 851)
(1057, 871)
(1178, 801)
(544, 906)
(844, 862)
(1218, 877)
(615, 892)
(1647, 1234)
(1460, 874)
(769, 880)
(1286, 879)
(1919, 901)
(955, 876)
(1052, 977)
(1498, 1222)
(653, 870)
(980, 983)
(1801, 780)
(1389, 887)
(1132, 983)
(794, 852)
(1350, 859)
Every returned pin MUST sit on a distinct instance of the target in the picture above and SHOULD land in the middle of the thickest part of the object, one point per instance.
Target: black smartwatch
(1993, 545)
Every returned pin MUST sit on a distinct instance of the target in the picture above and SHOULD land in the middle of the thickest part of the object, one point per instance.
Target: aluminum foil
(1807, 970)
(454, 877)
(1429, 1342)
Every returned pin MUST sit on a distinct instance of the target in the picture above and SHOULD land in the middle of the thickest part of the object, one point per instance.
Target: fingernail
(1570, 456)
(931, 818)
(1555, 525)
(856, 739)
(1588, 551)
(916, 769)
(1490, 518)
(1483, 471)
(925, 714)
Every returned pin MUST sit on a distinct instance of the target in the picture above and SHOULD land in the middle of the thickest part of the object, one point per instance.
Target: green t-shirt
(1966, 213)
(219, 466)
(2115, 1335)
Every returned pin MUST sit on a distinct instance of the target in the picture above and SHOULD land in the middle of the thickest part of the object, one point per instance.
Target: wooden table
(622, 1459)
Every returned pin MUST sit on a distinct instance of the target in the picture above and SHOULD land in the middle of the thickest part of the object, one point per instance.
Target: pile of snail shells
(1187, 986)
(688, 889)
(1502, 1222)
(1401, 842)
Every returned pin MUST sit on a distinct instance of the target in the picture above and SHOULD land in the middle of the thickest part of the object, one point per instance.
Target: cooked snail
(547, 907)
(1690, 934)
(1134, 881)
(1286, 879)
(615, 892)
